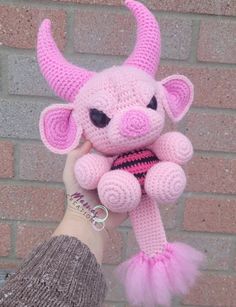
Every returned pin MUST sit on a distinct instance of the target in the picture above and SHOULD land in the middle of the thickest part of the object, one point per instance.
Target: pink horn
(63, 77)
(146, 53)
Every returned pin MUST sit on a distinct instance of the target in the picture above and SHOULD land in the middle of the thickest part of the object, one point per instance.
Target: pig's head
(119, 109)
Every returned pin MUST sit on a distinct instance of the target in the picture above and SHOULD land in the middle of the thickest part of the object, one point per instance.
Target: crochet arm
(59, 272)
(174, 147)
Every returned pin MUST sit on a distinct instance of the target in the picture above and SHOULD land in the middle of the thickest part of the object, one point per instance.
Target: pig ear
(178, 96)
(58, 127)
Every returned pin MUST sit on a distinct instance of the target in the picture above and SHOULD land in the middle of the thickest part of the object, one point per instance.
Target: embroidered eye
(99, 118)
(153, 103)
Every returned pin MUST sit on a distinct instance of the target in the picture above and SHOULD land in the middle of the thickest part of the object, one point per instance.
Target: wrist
(78, 222)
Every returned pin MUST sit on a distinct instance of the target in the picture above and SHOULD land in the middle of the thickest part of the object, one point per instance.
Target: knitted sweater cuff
(61, 271)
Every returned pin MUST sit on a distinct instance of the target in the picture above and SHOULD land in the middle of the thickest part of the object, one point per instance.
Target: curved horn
(63, 77)
(146, 53)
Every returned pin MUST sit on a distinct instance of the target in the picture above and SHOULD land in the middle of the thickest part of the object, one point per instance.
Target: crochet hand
(174, 147)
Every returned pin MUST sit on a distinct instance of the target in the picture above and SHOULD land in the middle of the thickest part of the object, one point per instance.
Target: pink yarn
(58, 128)
(121, 111)
(134, 123)
(179, 96)
(154, 280)
(119, 191)
(63, 77)
(90, 168)
(146, 54)
(171, 182)
(148, 227)
(173, 146)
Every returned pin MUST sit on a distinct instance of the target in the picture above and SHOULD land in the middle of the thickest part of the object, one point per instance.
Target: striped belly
(136, 162)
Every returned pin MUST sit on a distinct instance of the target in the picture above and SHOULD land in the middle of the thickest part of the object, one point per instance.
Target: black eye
(98, 118)
(153, 103)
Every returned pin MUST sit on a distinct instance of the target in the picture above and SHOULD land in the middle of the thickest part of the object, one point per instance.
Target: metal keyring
(96, 228)
(101, 220)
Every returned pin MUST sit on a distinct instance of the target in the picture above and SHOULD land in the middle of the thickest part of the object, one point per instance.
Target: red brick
(214, 87)
(6, 158)
(114, 248)
(210, 214)
(113, 33)
(19, 25)
(31, 203)
(29, 237)
(215, 7)
(211, 174)
(217, 250)
(217, 41)
(5, 239)
(115, 289)
(107, 2)
(213, 290)
(215, 132)
(101, 35)
(38, 163)
(9, 265)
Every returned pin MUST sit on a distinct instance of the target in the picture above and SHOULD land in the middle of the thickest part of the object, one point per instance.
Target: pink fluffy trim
(154, 280)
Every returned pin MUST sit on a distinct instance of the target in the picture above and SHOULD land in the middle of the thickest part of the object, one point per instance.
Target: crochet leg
(165, 182)
(119, 191)
(148, 227)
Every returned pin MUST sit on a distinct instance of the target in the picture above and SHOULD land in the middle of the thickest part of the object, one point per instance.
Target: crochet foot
(119, 191)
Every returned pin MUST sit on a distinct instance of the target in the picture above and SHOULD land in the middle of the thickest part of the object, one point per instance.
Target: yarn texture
(121, 111)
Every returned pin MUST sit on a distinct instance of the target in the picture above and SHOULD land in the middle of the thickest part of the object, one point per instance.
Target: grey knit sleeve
(61, 271)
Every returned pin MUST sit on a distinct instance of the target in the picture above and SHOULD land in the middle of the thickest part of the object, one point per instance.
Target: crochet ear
(178, 96)
(58, 127)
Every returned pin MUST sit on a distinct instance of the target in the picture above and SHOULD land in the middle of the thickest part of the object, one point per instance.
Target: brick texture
(213, 290)
(31, 203)
(211, 174)
(115, 290)
(114, 248)
(5, 239)
(215, 132)
(210, 214)
(217, 42)
(208, 245)
(24, 77)
(22, 124)
(218, 86)
(19, 25)
(6, 158)
(114, 34)
(215, 7)
(214, 87)
(38, 163)
(29, 237)
(198, 40)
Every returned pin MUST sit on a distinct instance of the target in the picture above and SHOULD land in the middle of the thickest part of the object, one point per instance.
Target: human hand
(91, 197)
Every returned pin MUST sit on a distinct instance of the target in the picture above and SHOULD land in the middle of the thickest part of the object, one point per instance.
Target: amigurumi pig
(121, 110)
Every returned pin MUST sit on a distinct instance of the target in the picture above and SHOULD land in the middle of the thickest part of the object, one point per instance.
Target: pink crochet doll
(121, 110)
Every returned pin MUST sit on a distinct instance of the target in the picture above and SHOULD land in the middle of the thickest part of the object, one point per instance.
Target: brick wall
(198, 41)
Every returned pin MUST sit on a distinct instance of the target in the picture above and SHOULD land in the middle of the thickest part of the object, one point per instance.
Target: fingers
(80, 150)
(72, 157)
(115, 219)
